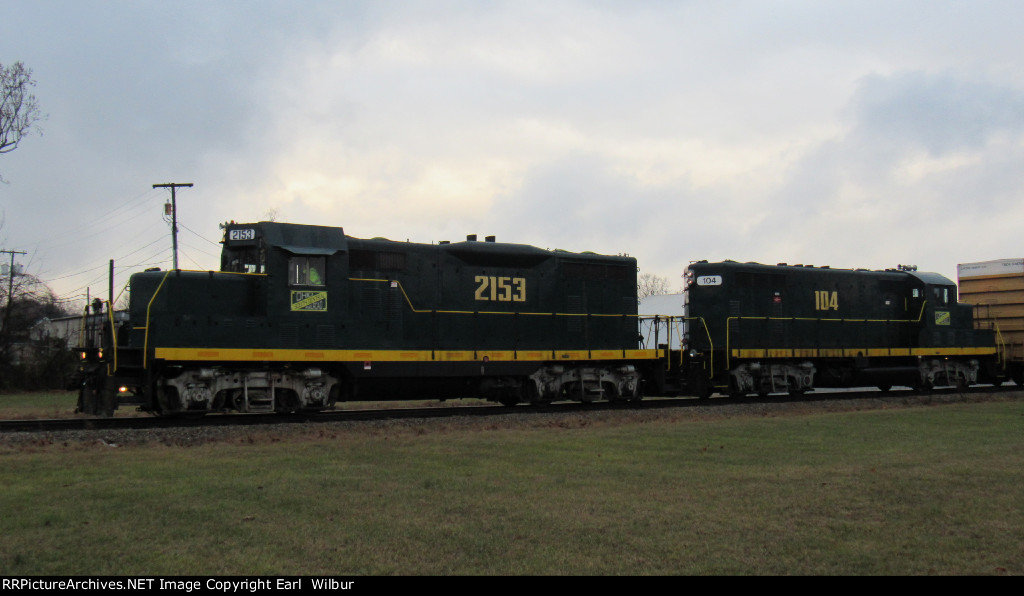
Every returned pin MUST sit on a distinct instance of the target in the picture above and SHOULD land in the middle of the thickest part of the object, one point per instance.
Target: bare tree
(649, 284)
(19, 110)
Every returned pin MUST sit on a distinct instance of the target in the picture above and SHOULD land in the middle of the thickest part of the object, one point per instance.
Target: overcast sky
(851, 134)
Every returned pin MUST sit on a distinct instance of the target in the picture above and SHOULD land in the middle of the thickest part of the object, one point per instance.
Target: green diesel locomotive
(761, 329)
(300, 317)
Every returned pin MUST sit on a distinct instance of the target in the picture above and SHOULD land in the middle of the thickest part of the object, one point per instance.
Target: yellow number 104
(825, 300)
(500, 289)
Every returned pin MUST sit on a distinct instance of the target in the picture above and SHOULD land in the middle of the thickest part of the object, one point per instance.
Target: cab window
(249, 259)
(306, 271)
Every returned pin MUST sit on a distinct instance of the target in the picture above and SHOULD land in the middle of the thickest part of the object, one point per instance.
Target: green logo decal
(309, 301)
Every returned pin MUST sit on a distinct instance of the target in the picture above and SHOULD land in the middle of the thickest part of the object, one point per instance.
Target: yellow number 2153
(500, 289)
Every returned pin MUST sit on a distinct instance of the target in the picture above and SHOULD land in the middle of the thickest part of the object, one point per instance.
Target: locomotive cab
(929, 299)
(943, 322)
(244, 251)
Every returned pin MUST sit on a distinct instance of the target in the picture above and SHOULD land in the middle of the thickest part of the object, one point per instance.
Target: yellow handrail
(81, 327)
(408, 301)
(113, 336)
(145, 341)
(728, 327)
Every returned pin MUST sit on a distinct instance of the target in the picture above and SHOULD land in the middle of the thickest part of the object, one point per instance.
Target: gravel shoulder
(525, 420)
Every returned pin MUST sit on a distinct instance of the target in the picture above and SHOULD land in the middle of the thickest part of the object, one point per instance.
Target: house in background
(74, 329)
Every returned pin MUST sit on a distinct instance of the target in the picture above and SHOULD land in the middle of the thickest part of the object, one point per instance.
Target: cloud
(852, 134)
(913, 177)
(941, 113)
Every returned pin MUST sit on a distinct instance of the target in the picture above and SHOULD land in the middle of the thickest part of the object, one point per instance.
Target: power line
(217, 244)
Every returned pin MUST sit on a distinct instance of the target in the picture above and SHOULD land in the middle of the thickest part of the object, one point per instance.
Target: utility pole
(174, 214)
(110, 285)
(10, 286)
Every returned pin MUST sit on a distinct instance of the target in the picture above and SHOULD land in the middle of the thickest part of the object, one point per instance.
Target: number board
(241, 234)
(709, 280)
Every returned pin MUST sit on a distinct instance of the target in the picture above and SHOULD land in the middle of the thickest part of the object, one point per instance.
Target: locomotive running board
(309, 355)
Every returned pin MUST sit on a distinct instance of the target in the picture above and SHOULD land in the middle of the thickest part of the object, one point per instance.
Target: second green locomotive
(760, 329)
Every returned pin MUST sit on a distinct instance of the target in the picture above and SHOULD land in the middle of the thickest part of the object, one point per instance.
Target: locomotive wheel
(735, 391)
(702, 389)
(508, 400)
(527, 393)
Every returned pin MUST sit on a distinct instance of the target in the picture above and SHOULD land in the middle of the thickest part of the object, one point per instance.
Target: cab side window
(306, 271)
(243, 260)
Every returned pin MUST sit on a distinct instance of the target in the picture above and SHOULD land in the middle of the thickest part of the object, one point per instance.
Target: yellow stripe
(854, 353)
(268, 355)
(413, 308)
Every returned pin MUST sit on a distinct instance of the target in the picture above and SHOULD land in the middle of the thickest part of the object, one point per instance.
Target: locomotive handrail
(711, 345)
(408, 301)
(145, 341)
(728, 326)
(679, 336)
(149, 306)
(113, 336)
(1000, 345)
(707, 332)
(656, 321)
(397, 283)
(113, 332)
(81, 327)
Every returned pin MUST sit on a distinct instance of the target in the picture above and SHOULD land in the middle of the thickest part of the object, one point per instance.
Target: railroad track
(338, 416)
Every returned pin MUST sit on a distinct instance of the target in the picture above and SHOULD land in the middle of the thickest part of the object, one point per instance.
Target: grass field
(51, 404)
(898, 491)
(61, 404)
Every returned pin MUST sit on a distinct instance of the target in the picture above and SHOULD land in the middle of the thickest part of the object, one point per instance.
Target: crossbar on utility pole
(174, 214)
